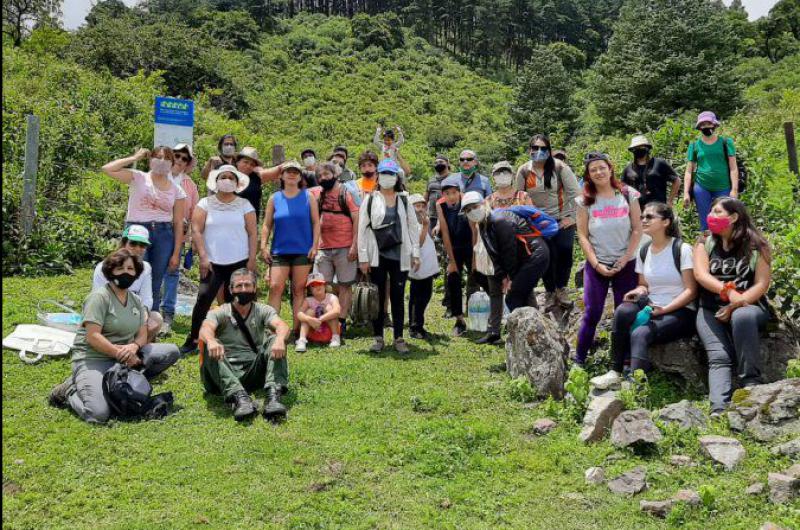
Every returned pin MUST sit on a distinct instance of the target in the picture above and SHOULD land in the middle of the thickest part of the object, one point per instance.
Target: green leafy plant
(520, 389)
(578, 387)
(793, 369)
(708, 496)
(638, 394)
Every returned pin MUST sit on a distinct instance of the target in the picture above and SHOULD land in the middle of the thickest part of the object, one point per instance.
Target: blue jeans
(162, 244)
(171, 281)
(703, 199)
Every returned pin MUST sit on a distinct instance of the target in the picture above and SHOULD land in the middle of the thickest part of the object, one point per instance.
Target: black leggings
(463, 261)
(418, 297)
(528, 275)
(389, 269)
(558, 273)
(659, 330)
(209, 286)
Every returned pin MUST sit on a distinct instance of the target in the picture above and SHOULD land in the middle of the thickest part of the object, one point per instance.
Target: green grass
(432, 440)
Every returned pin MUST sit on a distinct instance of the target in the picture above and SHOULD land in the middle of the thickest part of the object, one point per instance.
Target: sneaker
(549, 301)
(562, 297)
(166, 326)
(377, 346)
(420, 334)
(606, 381)
(400, 346)
(242, 405)
(189, 347)
(489, 338)
(59, 394)
(459, 328)
(336, 341)
(448, 313)
(300, 345)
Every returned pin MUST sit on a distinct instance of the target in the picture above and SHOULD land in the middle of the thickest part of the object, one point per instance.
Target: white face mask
(503, 179)
(160, 167)
(476, 215)
(226, 185)
(387, 180)
(228, 150)
(309, 161)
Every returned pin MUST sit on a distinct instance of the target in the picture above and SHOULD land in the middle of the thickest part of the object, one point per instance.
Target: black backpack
(128, 393)
(677, 244)
(344, 209)
(740, 164)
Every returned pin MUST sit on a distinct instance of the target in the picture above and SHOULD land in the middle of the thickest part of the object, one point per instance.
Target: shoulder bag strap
(243, 328)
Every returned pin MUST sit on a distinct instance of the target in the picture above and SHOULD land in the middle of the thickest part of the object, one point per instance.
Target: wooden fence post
(28, 206)
(791, 147)
(278, 155)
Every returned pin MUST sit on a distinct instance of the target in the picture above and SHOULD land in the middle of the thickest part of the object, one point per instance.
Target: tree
(542, 99)
(665, 57)
(106, 9)
(20, 16)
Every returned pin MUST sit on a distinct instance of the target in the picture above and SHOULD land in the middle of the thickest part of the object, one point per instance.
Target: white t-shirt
(664, 281)
(428, 263)
(143, 286)
(225, 234)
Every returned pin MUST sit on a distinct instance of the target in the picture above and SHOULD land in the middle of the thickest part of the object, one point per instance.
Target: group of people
(325, 226)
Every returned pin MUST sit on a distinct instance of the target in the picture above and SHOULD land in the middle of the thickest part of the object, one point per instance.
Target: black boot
(58, 395)
(189, 347)
(274, 410)
(489, 338)
(242, 405)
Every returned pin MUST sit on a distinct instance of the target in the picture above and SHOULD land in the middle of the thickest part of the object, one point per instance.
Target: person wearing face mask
(514, 244)
(470, 178)
(368, 182)
(733, 268)
(339, 157)
(388, 248)
(421, 280)
(156, 203)
(113, 330)
(224, 226)
(609, 231)
(711, 171)
(650, 175)
(136, 239)
(552, 187)
(226, 154)
(338, 245)
(309, 158)
(433, 192)
(245, 350)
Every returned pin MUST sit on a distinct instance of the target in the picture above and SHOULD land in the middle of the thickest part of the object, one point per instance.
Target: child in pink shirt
(319, 316)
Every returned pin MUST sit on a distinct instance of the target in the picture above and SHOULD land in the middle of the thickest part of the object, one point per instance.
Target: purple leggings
(595, 289)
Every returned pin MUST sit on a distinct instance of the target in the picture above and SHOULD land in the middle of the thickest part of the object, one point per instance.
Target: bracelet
(726, 288)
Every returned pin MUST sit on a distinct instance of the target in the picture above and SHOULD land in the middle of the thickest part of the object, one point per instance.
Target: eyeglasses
(181, 158)
(539, 148)
(466, 159)
(650, 217)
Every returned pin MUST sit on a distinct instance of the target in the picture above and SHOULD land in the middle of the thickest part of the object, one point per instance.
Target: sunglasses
(466, 159)
(650, 217)
(539, 148)
(181, 158)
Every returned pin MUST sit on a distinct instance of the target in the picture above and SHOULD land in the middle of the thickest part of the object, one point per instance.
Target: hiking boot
(189, 347)
(562, 297)
(459, 328)
(489, 338)
(606, 381)
(400, 346)
(242, 405)
(274, 410)
(300, 345)
(549, 301)
(377, 346)
(59, 394)
(166, 326)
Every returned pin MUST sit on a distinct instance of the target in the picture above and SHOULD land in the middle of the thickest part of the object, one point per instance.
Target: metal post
(278, 155)
(28, 207)
(791, 147)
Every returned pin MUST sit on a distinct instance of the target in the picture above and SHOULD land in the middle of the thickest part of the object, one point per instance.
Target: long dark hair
(745, 237)
(222, 140)
(590, 190)
(665, 212)
(550, 163)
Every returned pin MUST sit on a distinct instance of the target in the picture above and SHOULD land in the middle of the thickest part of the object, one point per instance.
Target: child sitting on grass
(318, 316)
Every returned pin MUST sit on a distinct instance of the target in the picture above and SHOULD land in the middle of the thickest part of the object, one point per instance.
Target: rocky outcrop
(537, 350)
(767, 411)
(684, 414)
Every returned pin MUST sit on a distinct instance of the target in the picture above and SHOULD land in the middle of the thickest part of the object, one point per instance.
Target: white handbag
(483, 262)
(39, 340)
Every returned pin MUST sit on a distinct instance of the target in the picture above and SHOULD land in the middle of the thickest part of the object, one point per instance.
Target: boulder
(657, 508)
(537, 350)
(543, 426)
(767, 411)
(690, 497)
(757, 488)
(595, 475)
(726, 451)
(629, 483)
(600, 415)
(684, 413)
(634, 428)
(782, 488)
(790, 448)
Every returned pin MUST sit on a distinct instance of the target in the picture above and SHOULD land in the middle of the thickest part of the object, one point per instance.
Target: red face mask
(717, 225)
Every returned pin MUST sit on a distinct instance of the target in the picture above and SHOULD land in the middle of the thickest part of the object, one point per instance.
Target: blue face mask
(540, 156)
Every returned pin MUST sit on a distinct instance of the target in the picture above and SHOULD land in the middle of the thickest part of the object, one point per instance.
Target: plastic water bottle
(478, 311)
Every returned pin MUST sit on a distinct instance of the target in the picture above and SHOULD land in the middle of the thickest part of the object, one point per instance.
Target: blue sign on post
(174, 121)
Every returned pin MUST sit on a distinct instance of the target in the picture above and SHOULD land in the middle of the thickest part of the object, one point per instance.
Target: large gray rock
(767, 411)
(726, 451)
(629, 483)
(684, 413)
(537, 350)
(657, 508)
(634, 428)
(595, 475)
(782, 488)
(599, 417)
(790, 448)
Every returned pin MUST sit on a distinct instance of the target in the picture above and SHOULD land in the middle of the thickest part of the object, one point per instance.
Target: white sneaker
(606, 381)
(336, 341)
(300, 345)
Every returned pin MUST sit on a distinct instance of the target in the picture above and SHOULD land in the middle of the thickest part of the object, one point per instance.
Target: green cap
(137, 233)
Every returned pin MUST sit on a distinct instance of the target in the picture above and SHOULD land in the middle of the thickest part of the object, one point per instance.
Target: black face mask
(124, 280)
(327, 184)
(640, 153)
(440, 167)
(369, 174)
(707, 131)
(244, 298)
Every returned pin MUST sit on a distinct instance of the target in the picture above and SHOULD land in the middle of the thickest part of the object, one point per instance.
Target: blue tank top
(292, 232)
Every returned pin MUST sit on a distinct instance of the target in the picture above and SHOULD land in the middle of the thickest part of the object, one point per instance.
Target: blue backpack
(540, 223)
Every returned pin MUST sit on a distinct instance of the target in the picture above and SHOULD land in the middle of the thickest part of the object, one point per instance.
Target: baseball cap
(706, 116)
(137, 233)
(470, 198)
(451, 182)
(415, 198)
(388, 165)
(315, 278)
(292, 164)
(503, 164)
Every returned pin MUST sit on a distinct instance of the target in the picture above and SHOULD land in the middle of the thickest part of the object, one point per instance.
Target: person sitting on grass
(319, 315)
(245, 349)
(136, 239)
(113, 330)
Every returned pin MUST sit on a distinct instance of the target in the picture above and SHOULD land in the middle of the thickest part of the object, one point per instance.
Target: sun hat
(185, 148)
(706, 116)
(414, 198)
(315, 278)
(388, 165)
(638, 141)
(470, 198)
(451, 181)
(249, 152)
(243, 180)
(503, 164)
(137, 233)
